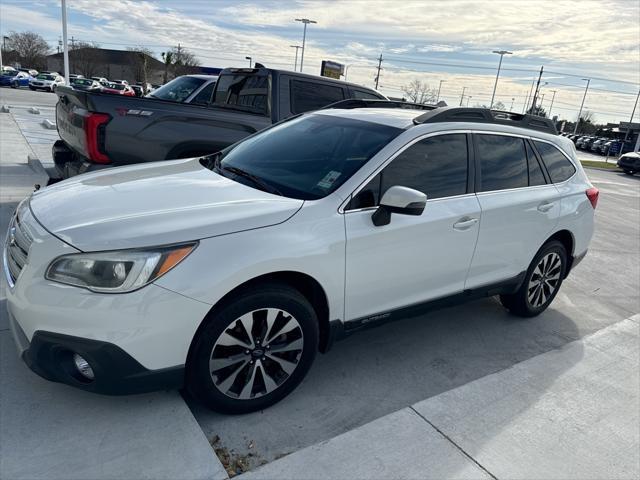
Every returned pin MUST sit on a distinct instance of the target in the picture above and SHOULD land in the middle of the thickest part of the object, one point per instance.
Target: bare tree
(419, 92)
(30, 49)
(178, 61)
(85, 58)
(587, 116)
(140, 63)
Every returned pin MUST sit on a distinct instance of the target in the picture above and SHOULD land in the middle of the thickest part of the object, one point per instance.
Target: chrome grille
(16, 250)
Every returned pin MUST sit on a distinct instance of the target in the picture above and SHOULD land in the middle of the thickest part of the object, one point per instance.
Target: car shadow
(382, 370)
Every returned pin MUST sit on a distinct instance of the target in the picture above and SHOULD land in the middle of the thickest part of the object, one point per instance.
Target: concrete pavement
(571, 413)
(52, 431)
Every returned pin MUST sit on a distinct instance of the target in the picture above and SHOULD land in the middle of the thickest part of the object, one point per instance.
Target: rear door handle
(545, 206)
(465, 223)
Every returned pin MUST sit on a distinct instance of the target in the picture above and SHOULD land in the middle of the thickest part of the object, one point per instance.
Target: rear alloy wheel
(541, 283)
(254, 351)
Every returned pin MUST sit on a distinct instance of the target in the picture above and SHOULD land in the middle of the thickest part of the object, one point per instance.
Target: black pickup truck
(100, 130)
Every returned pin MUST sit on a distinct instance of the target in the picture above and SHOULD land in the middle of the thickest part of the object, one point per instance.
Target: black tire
(199, 378)
(15, 85)
(31, 88)
(519, 303)
(629, 172)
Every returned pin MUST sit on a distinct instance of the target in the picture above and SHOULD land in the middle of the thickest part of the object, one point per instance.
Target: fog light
(83, 367)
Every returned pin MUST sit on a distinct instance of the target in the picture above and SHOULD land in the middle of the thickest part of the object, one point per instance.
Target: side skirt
(340, 330)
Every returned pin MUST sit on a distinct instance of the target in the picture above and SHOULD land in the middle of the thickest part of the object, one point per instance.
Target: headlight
(118, 271)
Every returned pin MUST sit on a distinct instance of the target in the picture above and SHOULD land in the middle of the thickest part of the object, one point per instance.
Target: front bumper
(116, 372)
(135, 342)
(629, 163)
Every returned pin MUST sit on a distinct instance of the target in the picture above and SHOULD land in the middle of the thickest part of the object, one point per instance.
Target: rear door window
(558, 166)
(503, 162)
(364, 95)
(307, 96)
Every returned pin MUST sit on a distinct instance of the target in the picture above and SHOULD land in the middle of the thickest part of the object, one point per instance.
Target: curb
(36, 165)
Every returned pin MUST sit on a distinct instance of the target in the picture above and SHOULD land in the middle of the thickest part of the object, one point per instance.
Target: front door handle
(465, 223)
(545, 206)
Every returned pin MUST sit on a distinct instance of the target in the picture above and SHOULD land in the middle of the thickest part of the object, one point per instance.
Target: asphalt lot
(386, 369)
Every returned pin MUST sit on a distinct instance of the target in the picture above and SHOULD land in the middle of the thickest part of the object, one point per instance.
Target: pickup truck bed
(100, 130)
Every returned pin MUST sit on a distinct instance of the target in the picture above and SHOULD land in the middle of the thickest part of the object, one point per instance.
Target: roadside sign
(331, 69)
(614, 148)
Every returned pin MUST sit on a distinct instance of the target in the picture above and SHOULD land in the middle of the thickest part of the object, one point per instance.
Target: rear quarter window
(558, 165)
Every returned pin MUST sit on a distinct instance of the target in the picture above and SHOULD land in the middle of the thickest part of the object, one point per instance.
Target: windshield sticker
(329, 179)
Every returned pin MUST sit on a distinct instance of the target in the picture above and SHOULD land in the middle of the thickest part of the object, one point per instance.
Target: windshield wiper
(242, 173)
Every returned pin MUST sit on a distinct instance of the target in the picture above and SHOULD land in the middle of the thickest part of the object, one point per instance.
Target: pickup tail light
(592, 194)
(94, 124)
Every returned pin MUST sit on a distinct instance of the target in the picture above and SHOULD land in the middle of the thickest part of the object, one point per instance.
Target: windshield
(81, 81)
(117, 86)
(307, 157)
(178, 89)
(43, 76)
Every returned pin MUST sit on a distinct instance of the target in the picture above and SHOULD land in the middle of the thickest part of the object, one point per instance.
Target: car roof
(393, 117)
(204, 77)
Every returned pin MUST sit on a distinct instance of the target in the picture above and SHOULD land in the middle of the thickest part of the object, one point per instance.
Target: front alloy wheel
(256, 354)
(253, 350)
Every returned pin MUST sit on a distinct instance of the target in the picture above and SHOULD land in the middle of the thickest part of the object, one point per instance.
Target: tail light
(592, 194)
(94, 124)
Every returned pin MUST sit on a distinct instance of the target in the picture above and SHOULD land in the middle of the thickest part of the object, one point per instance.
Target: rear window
(558, 166)
(178, 89)
(307, 96)
(249, 93)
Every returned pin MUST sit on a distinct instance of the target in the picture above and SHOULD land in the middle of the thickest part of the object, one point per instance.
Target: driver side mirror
(402, 200)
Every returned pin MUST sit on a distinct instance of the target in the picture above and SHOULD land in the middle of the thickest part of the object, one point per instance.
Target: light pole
(295, 63)
(633, 112)
(552, 99)
(462, 96)
(306, 22)
(248, 58)
(469, 97)
(439, 87)
(588, 80)
(64, 41)
(502, 53)
(513, 99)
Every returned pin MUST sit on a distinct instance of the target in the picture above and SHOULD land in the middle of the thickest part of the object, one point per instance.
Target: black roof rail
(366, 103)
(484, 115)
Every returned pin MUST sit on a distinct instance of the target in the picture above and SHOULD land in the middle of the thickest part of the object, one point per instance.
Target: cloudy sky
(431, 40)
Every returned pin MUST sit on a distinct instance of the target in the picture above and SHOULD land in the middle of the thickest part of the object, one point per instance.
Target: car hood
(154, 204)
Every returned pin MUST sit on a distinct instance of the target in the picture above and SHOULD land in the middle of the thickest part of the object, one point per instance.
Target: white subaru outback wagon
(226, 274)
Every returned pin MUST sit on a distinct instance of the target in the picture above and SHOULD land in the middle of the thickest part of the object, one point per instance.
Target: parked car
(118, 89)
(15, 79)
(630, 162)
(7, 68)
(120, 82)
(75, 75)
(586, 143)
(138, 90)
(196, 89)
(227, 274)
(30, 71)
(108, 131)
(85, 84)
(597, 144)
(46, 81)
(101, 80)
